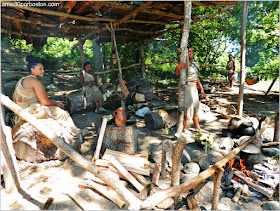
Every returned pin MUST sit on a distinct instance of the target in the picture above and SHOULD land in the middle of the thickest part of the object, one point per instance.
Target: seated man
(139, 100)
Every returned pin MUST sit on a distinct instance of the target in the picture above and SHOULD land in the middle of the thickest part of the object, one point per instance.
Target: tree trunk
(180, 145)
(98, 61)
(153, 121)
(243, 54)
(142, 60)
(82, 54)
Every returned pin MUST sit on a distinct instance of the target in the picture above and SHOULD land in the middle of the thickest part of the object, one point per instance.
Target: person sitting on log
(89, 84)
(30, 94)
(191, 92)
(139, 99)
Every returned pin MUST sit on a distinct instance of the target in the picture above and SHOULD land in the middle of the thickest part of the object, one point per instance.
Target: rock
(271, 205)
(270, 152)
(206, 193)
(214, 157)
(191, 168)
(251, 206)
(229, 194)
(216, 148)
(204, 107)
(226, 204)
(226, 144)
(187, 177)
(203, 162)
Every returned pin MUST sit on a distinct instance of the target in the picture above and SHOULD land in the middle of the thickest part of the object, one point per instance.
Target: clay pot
(120, 117)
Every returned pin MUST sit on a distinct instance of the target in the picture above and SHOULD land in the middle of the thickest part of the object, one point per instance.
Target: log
(276, 143)
(140, 179)
(190, 184)
(271, 85)
(134, 202)
(102, 162)
(100, 139)
(245, 190)
(130, 162)
(107, 192)
(90, 176)
(153, 121)
(8, 159)
(260, 189)
(185, 153)
(77, 102)
(122, 139)
(176, 163)
(156, 174)
(236, 197)
(126, 174)
(48, 203)
(163, 161)
(189, 204)
(217, 184)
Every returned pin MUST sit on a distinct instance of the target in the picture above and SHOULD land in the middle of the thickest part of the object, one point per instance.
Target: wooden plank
(102, 162)
(126, 174)
(100, 139)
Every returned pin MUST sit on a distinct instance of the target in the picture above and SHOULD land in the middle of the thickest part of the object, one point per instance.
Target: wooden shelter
(133, 21)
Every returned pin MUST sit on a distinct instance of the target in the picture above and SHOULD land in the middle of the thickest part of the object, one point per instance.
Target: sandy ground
(60, 179)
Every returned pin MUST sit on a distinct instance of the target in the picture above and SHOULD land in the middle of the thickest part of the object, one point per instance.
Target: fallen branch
(158, 197)
(100, 140)
(132, 200)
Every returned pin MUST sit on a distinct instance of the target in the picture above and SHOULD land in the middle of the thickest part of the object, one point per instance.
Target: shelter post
(142, 60)
(243, 54)
(98, 61)
(181, 142)
(82, 54)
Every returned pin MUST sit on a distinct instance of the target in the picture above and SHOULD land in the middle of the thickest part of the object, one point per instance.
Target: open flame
(237, 164)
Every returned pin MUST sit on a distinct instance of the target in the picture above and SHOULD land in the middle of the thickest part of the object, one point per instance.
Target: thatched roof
(134, 21)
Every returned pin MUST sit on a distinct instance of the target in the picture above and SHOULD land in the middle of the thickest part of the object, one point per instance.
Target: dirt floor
(60, 179)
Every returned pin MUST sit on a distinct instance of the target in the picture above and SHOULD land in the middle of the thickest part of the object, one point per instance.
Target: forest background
(212, 41)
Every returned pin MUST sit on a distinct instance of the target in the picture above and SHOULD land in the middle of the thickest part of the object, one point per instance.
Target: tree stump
(77, 102)
(153, 121)
(122, 139)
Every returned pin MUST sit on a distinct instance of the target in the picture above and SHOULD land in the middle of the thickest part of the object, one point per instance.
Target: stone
(191, 168)
(251, 206)
(214, 157)
(271, 205)
(226, 204)
(270, 152)
(203, 162)
(226, 144)
(206, 193)
(229, 194)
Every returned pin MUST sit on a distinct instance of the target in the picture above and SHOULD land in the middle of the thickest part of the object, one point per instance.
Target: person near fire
(30, 94)
(191, 93)
(231, 71)
(89, 85)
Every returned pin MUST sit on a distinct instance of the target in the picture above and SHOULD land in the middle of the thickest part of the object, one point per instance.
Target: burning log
(260, 189)
(237, 195)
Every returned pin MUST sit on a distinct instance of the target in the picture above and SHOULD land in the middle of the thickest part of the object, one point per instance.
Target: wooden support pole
(142, 55)
(192, 203)
(100, 140)
(133, 201)
(217, 183)
(190, 184)
(271, 85)
(163, 161)
(181, 142)
(48, 203)
(276, 128)
(82, 54)
(8, 158)
(243, 55)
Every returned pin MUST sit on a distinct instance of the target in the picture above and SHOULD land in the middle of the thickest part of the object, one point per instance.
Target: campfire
(236, 164)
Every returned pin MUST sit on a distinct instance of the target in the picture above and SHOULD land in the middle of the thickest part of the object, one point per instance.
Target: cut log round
(153, 121)
(76, 102)
(122, 139)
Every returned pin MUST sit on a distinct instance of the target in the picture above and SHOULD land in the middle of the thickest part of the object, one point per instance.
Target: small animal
(169, 119)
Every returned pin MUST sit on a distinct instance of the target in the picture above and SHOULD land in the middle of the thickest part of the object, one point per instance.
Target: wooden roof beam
(148, 11)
